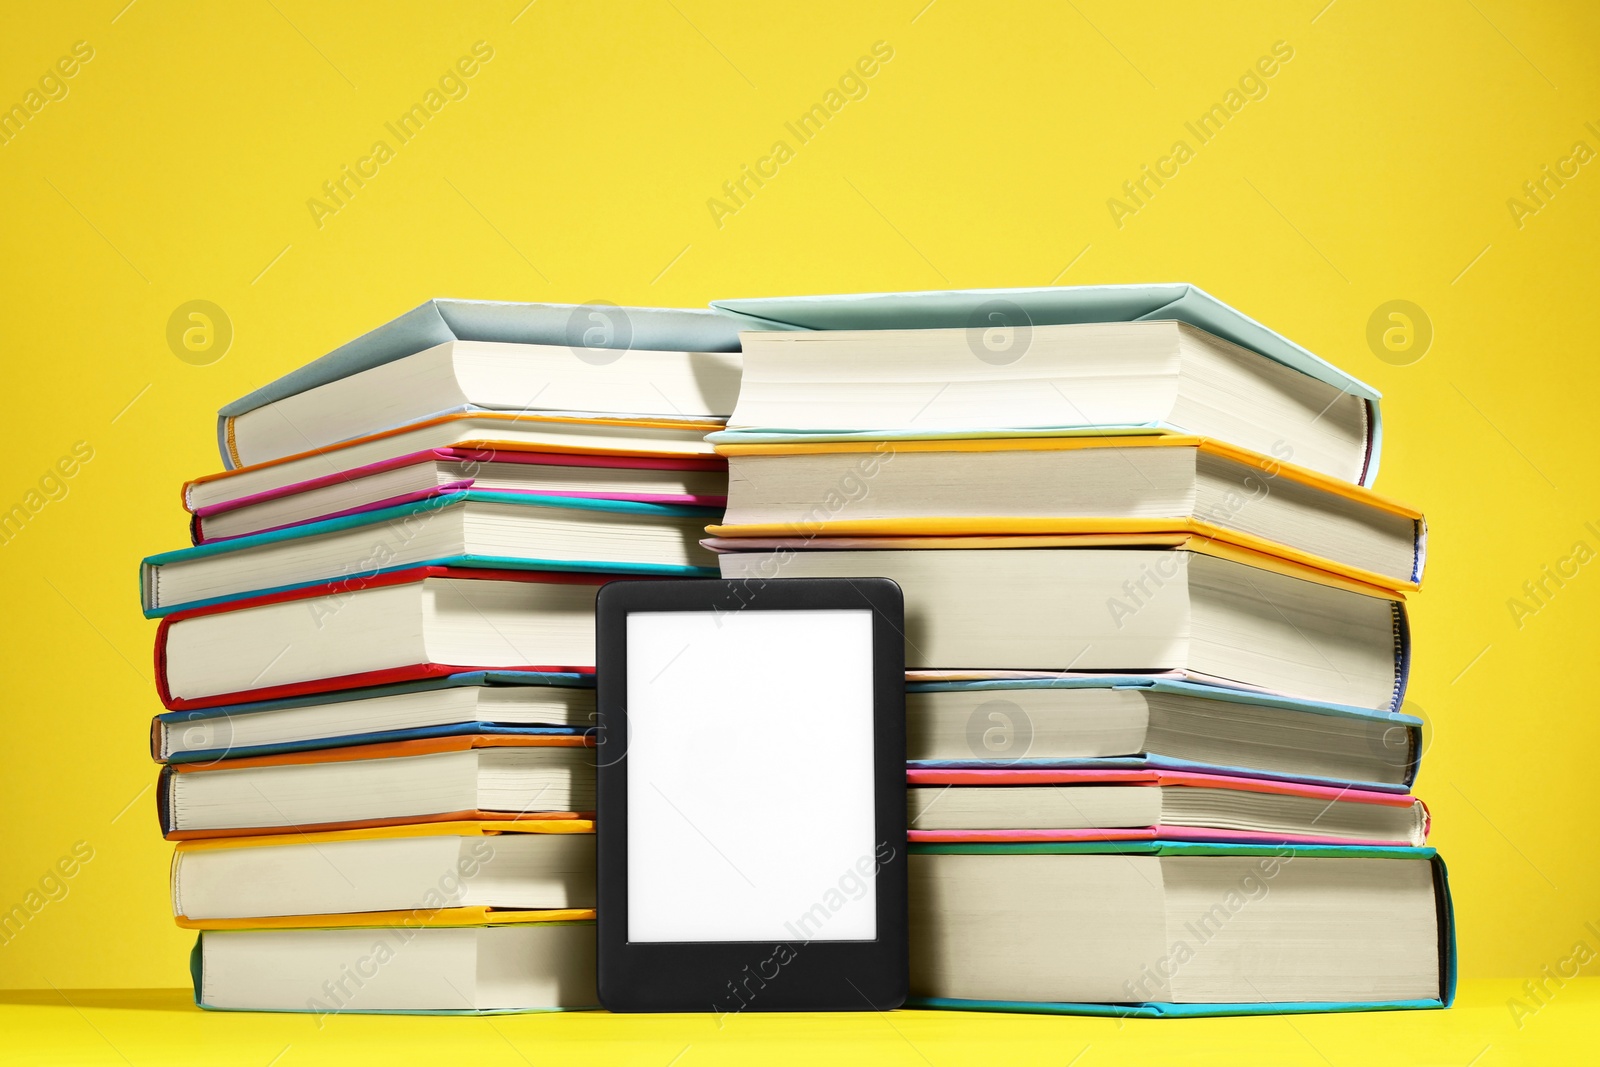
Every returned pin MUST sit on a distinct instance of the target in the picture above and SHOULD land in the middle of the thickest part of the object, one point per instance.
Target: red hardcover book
(328, 622)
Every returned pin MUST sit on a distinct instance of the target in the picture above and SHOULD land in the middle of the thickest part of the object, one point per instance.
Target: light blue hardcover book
(582, 327)
(1002, 733)
(1020, 310)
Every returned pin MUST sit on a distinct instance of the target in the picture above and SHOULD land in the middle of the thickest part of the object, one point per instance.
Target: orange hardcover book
(995, 491)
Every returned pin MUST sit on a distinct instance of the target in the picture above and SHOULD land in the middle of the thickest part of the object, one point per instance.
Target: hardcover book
(1142, 604)
(1162, 928)
(1094, 359)
(398, 626)
(442, 779)
(465, 356)
(468, 528)
(221, 511)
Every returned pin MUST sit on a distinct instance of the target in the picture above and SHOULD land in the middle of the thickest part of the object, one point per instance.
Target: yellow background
(579, 166)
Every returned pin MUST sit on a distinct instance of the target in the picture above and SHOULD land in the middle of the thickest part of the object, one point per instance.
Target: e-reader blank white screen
(750, 776)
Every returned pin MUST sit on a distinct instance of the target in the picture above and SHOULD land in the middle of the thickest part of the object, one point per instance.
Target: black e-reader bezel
(707, 976)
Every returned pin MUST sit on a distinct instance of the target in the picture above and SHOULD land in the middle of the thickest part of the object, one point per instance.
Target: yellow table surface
(162, 1026)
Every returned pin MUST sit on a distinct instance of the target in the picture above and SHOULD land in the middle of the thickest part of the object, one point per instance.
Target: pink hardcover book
(973, 805)
(701, 481)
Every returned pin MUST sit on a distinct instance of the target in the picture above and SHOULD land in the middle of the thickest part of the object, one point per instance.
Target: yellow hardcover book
(465, 828)
(412, 875)
(414, 918)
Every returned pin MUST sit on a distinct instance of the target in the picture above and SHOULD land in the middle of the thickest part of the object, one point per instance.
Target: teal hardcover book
(428, 966)
(473, 528)
(947, 940)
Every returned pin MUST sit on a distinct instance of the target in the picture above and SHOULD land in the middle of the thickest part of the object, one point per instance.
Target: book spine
(149, 580)
(1447, 931)
(197, 966)
(226, 443)
(1369, 465)
(1413, 755)
(1419, 551)
(163, 690)
(386, 676)
(1402, 654)
(164, 802)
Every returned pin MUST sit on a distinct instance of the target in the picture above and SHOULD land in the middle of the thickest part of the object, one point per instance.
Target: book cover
(1165, 1010)
(199, 718)
(215, 486)
(1002, 530)
(389, 676)
(150, 567)
(391, 750)
(440, 320)
(1051, 305)
(1001, 777)
(1395, 735)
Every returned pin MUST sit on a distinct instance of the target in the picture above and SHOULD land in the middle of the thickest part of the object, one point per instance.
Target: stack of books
(1156, 637)
(377, 657)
